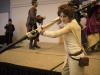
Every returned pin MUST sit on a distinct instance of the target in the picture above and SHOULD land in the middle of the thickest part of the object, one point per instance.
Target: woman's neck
(70, 20)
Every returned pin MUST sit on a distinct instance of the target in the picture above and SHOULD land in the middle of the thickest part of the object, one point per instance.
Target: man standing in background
(32, 25)
(9, 31)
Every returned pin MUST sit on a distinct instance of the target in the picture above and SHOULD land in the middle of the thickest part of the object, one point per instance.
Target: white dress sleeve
(57, 33)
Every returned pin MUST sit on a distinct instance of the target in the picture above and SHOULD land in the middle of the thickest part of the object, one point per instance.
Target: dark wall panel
(4, 6)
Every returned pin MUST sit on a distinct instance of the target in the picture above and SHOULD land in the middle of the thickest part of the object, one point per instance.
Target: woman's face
(64, 18)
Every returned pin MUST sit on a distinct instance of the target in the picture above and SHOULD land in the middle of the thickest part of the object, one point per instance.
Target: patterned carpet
(49, 57)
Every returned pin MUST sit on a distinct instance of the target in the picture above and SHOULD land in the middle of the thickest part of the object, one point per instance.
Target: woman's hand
(39, 29)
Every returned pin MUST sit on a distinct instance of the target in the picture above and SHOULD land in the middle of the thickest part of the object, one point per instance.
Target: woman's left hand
(39, 29)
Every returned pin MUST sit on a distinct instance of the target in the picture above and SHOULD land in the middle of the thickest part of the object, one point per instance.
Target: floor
(50, 57)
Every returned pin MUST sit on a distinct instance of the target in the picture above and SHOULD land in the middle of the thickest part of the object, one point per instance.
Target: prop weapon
(29, 34)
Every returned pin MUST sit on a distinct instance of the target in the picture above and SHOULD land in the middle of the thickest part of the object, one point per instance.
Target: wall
(3, 22)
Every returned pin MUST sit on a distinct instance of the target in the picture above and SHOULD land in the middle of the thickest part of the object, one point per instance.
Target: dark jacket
(9, 28)
(90, 10)
(78, 16)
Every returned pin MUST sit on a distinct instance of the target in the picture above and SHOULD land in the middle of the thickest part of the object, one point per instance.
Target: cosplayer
(31, 24)
(72, 39)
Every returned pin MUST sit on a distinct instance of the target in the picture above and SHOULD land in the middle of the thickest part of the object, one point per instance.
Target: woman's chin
(64, 22)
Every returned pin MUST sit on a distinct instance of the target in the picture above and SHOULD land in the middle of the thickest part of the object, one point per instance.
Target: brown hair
(67, 10)
(33, 1)
(70, 3)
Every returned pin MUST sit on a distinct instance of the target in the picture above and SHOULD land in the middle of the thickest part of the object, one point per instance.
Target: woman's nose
(62, 18)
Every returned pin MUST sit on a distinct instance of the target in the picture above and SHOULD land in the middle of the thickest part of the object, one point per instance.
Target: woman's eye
(63, 16)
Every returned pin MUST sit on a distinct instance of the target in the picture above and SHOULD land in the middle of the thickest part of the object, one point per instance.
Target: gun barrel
(12, 44)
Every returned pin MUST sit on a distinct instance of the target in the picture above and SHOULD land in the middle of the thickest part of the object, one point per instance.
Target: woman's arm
(55, 34)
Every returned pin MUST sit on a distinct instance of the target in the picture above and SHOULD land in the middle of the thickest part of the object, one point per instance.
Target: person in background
(92, 29)
(72, 40)
(9, 31)
(31, 24)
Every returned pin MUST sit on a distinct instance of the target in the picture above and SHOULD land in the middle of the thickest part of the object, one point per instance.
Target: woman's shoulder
(74, 24)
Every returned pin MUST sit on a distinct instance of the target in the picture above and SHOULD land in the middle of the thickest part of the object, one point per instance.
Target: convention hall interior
(48, 58)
